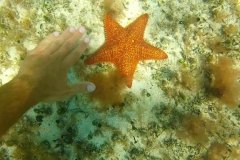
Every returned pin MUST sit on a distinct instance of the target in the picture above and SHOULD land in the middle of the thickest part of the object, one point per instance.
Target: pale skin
(43, 75)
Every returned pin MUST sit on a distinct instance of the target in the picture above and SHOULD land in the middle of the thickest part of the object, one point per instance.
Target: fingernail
(56, 34)
(86, 40)
(91, 87)
(72, 29)
(82, 29)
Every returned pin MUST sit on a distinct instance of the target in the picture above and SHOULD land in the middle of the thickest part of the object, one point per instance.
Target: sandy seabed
(176, 109)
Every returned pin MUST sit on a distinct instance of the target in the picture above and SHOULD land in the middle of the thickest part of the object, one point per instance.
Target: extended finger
(60, 39)
(53, 41)
(84, 87)
(74, 56)
(70, 44)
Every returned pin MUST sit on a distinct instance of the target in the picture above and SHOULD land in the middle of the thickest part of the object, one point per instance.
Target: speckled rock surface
(174, 109)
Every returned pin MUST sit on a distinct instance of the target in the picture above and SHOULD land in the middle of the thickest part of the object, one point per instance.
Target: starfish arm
(137, 28)
(111, 28)
(127, 69)
(99, 57)
(104, 54)
(124, 47)
(148, 52)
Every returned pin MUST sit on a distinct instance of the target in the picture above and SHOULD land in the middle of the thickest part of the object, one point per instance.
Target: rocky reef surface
(185, 107)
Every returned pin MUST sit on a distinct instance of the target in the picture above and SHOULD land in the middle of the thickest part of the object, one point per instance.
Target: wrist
(25, 90)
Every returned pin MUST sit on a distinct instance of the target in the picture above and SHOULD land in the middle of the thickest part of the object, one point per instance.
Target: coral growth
(230, 29)
(3, 153)
(193, 130)
(225, 83)
(235, 154)
(191, 19)
(109, 88)
(219, 15)
(220, 151)
(217, 45)
(28, 150)
(114, 7)
(24, 143)
(189, 81)
(217, 151)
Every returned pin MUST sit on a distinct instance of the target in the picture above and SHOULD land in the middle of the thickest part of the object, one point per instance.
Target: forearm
(43, 75)
(15, 99)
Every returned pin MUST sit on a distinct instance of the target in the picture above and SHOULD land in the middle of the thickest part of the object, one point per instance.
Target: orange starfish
(125, 47)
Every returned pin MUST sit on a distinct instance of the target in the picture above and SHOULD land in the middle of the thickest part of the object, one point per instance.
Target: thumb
(82, 87)
(73, 89)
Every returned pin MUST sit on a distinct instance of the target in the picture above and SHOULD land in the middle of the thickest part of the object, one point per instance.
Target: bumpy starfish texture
(125, 47)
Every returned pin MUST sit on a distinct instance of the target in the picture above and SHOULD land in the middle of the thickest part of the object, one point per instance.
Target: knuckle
(58, 42)
(39, 49)
(82, 48)
(68, 44)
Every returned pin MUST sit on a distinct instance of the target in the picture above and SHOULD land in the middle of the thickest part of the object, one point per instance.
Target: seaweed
(217, 151)
(109, 88)
(225, 83)
(193, 130)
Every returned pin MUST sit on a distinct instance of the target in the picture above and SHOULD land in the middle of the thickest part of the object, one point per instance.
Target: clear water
(184, 107)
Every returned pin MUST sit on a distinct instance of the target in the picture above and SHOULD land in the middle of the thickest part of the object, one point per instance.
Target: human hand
(45, 68)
